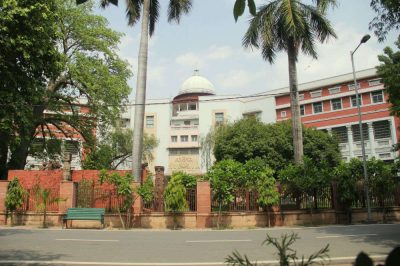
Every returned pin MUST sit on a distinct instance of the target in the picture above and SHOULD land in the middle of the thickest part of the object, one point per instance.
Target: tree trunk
(294, 104)
(268, 217)
(4, 136)
(219, 214)
(140, 98)
(45, 217)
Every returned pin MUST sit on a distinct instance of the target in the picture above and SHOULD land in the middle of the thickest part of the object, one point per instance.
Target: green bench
(84, 214)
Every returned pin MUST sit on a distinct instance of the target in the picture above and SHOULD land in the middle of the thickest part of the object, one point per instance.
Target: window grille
(302, 110)
(315, 94)
(381, 129)
(150, 121)
(334, 90)
(317, 107)
(354, 101)
(356, 132)
(341, 134)
(336, 104)
(377, 96)
(374, 82)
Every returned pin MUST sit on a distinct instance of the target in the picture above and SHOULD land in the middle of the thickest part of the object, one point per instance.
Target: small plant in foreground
(287, 255)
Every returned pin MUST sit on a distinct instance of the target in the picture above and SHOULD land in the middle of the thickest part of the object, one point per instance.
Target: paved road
(148, 247)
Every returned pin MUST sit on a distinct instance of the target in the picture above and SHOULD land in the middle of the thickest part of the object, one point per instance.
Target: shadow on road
(13, 231)
(27, 255)
(384, 235)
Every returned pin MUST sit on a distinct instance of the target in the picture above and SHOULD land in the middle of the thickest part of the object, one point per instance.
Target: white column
(393, 134)
(350, 140)
(371, 139)
(329, 130)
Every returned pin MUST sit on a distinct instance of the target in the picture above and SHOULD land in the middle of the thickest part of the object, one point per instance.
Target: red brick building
(330, 104)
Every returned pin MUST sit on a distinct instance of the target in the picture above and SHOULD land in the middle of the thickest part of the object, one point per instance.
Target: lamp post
(363, 40)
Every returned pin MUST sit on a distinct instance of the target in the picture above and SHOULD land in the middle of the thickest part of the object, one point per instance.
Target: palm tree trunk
(140, 98)
(294, 104)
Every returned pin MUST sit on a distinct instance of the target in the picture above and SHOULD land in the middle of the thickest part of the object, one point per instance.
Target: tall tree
(389, 70)
(88, 68)
(28, 57)
(291, 26)
(150, 13)
(387, 19)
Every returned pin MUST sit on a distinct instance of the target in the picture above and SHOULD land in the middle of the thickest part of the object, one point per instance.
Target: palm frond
(178, 7)
(236, 259)
(154, 15)
(133, 9)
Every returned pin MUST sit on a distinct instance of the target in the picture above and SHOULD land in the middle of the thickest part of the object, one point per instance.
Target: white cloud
(219, 52)
(239, 78)
(190, 60)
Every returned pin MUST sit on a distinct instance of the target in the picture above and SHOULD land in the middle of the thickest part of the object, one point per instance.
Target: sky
(208, 39)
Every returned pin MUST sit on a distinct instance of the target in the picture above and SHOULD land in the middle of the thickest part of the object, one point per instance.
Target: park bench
(84, 214)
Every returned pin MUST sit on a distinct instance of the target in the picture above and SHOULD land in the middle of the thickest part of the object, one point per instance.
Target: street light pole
(366, 191)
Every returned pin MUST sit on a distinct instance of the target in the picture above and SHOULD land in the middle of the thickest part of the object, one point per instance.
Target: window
(184, 138)
(340, 133)
(301, 96)
(219, 118)
(315, 94)
(256, 115)
(283, 114)
(183, 107)
(186, 123)
(302, 110)
(377, 96)
(356, 132)
(354, 101)
(336, 104)
(194, 138)
(381, 129)
(174, 138)
(351, 86)
(317, 107)
(334, 90)
(374, 82)
(183, 151)
(192, 106)
(149, 121)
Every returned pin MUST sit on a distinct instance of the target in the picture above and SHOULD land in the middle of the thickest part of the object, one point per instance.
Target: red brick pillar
(3, 193)
(144, 173)
(203, 198)
(160, 183)
(68, 190)
(276, 215)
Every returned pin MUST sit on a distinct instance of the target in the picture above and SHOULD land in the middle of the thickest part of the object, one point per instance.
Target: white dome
(196, 84)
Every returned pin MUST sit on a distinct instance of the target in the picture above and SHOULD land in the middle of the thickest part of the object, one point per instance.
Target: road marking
(86, 240)
(43, 262)
(217, 241)
(337, 236)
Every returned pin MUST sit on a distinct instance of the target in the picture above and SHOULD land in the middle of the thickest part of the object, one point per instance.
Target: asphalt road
(185, 247)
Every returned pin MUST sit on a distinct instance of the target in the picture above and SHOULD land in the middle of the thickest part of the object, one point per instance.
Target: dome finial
(196, 72)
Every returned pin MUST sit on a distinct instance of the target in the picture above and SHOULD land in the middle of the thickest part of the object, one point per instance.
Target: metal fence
(92, 195)
(244, 200)
(319, 199)
(157, 204)
(34, 201)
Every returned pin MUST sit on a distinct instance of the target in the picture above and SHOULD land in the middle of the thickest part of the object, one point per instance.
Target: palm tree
(150, 10)
(290, 26)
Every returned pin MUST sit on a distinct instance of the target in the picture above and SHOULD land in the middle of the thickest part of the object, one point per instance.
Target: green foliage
(240, 6)
(260, 177)
(175, 195)
(286, 254)
(249, 138)
(389, 71)
(123, 186)
(187, 180)
(64, 52)
(15, 195)
(146, 191)
(382, 180)
(115, 148)
(284, 25)
(387, 19)
(43, 198)
(225, 177)
(347, 175)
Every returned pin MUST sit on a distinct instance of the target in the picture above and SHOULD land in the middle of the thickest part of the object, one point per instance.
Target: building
(330, 104)
(180, 124)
